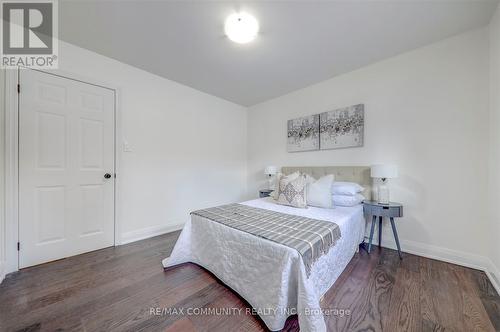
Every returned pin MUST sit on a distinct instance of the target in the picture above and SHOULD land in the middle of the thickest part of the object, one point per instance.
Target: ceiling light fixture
(241, 27)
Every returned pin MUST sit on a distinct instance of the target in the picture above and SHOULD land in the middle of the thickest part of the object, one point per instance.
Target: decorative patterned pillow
(280, 176)
(292, 192)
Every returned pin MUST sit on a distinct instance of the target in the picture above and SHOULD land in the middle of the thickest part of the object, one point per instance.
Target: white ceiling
(300, 43)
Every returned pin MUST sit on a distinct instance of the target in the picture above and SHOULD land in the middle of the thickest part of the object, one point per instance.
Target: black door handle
(107, 176)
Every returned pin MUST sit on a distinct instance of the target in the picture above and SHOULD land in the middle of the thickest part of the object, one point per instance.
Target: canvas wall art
(303, 134)
(342, 128)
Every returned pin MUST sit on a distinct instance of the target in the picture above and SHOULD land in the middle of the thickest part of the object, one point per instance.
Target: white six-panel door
(66, 146)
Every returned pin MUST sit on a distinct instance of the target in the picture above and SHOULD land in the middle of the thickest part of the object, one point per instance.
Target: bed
(271, 277)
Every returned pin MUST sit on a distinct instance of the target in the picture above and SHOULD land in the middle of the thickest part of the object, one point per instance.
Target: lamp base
(383, 194)
(271, 182)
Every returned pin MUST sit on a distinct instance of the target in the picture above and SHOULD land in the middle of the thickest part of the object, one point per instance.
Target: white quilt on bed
(270, 276)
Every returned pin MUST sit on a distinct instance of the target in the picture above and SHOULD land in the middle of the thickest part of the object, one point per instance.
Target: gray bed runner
(310, 237)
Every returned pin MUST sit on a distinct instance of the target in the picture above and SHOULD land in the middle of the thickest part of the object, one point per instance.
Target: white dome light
(241, 27)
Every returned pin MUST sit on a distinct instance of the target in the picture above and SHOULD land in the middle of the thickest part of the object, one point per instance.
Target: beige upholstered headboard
(358, 174)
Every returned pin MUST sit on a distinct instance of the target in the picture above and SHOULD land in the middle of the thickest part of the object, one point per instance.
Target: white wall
(188, 147)
(494, 170)
(426, 111)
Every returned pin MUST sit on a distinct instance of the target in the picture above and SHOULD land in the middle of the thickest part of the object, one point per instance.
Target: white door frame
(12, 154)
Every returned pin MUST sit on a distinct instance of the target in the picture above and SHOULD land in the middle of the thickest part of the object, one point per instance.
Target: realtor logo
(29, 36)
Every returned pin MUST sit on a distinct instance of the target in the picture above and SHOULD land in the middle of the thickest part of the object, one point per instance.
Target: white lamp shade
(270, 170)
(384, 171)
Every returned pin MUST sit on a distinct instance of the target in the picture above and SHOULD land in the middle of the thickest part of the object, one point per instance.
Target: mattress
(269, 276)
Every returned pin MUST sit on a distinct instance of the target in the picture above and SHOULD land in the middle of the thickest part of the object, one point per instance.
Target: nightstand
(265, 193)
(376, 210)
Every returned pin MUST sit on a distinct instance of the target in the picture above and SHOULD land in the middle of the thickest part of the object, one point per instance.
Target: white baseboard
(493, 273)
(146, 233)
(2, 271)
(473, 261)
(127, 237)
(412, 247)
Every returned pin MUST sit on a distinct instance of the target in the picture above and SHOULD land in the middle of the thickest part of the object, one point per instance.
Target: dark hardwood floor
(115, 289)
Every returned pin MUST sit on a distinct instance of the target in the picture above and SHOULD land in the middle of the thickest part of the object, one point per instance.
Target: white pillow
(279, 176)
(348, 200)
(309, 179)
(319, 192)
(346, 188)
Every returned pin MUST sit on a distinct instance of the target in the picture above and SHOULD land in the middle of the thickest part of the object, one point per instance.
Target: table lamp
(384, 172)
(270, 171)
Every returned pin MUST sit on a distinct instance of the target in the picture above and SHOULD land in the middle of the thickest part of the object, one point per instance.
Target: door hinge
(18, 246)
(19, 88)
(115, 175)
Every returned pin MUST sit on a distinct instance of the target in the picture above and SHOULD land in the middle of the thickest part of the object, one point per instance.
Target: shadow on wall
(409, 192)
(412, 194)
(260, 180)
